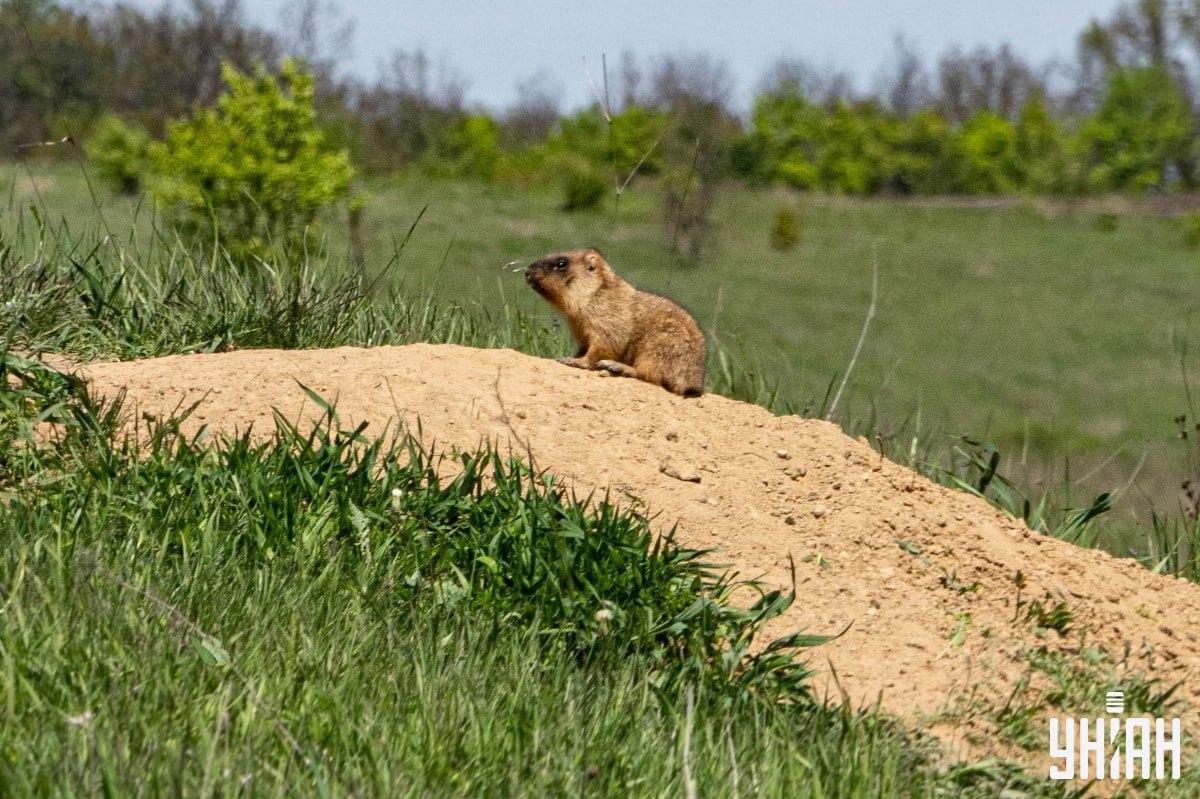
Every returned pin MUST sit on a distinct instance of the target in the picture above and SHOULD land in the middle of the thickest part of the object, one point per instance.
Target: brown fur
(619, 329)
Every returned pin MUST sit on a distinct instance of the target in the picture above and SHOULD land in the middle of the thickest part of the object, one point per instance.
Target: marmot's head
(569, 279)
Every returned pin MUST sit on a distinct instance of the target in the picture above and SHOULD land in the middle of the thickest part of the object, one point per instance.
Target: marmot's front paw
(615, 368)
(576, 362)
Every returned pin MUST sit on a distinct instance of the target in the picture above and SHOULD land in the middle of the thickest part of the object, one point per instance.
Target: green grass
(319, 614)
(1039, 332)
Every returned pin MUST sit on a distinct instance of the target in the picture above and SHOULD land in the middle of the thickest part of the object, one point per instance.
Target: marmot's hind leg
(675, 370)
(617, 369)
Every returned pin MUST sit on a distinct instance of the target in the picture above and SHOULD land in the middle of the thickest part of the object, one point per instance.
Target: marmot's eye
(561, 263)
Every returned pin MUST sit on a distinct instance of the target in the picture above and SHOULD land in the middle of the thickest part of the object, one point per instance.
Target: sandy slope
(874, 544)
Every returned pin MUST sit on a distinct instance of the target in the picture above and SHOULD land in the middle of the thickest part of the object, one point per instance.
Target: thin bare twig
(862, 337)
(638, 166)
(1132, 477)
(31, 145)
(1096, 469)
(596, 92)
(605, 105)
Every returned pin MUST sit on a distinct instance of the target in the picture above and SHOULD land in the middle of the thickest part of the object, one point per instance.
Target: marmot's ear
(593, 259)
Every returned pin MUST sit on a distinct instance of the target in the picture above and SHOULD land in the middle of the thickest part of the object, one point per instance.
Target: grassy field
(1042, 331)
(322, 616)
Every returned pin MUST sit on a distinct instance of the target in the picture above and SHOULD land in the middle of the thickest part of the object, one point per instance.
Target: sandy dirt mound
(875, 546)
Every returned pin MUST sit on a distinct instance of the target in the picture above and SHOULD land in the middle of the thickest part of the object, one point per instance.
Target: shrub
(1140, 133)
(795, 170)
(630, 142)
(1044, 151)
(785, 230)
(851, 159)
(987, 145)
(256, 170)
(470, 148)
(921, 158)
(783, 140)
(583, 190)
(120, 153)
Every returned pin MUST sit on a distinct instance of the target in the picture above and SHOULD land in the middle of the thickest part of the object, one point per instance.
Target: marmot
(619, 329)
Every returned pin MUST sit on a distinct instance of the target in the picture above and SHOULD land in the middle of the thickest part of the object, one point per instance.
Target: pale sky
(497, 44)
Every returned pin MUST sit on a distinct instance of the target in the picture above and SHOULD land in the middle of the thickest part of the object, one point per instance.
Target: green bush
(583, 190)
(256, 170)
(987, 146)
(785, 230)
(920, 157)
(861, 149)
(629, 143)
(852, 160)
(1044, 152)
(783, 141)
(1140, 134)
(120, 153)
(470, 148)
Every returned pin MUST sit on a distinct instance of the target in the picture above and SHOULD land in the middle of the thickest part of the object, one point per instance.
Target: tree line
(1122, 116)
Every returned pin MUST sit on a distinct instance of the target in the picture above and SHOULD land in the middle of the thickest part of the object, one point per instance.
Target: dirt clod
(680, 471)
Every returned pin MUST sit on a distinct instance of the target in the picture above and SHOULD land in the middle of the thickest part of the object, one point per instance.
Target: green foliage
(1044, 152)
(987, 155)
(254, 172)
(851, 160)
(1056, 681)
(785, 230)
(862, 150)
(782, 143)
(469, 148)
(618, 148)
(918, 150)
(583, 190)
(31, 396)
(177, 299)
(121, 153)
(1141, 137)
(1141, 133)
